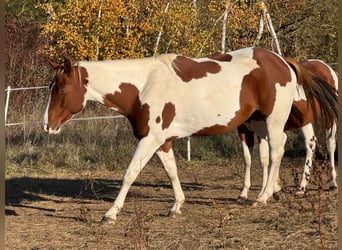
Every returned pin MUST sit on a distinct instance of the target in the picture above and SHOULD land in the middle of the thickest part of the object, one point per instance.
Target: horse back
(322, 70)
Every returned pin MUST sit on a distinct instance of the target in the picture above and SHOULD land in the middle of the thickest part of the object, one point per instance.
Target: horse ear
(67, 65)
(53, 64)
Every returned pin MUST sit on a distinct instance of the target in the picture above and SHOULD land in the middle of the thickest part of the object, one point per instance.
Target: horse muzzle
(50, 130)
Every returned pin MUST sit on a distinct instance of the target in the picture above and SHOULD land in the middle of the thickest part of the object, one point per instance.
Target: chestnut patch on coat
(258, 87)
(168, 114)
(165, 147)
(167, 144)
(300, 115)
(246, 135)
(188, 69)
(222, 57)
(213, 130)
(321, 70)
(257, 95)
(127, 103)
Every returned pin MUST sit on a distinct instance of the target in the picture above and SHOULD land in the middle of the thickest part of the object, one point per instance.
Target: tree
(102, 29)
(109, 29)
(310, 31)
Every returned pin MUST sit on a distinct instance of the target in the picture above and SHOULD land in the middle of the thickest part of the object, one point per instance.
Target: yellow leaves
(103, 29)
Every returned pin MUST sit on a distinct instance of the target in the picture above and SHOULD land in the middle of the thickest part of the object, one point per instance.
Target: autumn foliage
(38, 30)
(106, 29)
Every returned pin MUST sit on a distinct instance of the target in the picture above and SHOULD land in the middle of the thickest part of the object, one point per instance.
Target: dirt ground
(63, 211)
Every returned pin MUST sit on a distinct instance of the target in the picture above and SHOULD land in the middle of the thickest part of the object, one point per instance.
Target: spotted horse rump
(301, 117)
(173, 96)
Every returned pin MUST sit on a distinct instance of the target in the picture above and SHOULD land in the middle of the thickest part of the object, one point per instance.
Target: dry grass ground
(62, 210)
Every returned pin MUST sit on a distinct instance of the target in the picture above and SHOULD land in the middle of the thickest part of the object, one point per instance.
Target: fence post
(189, 149)
(7, 101)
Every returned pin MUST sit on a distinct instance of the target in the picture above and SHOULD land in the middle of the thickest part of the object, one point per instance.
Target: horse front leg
(167, 157)
(145, 149)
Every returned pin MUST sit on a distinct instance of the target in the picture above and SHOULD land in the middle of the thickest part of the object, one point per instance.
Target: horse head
(66, 95)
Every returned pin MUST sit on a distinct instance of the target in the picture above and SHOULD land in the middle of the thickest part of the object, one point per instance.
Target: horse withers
(173, 96)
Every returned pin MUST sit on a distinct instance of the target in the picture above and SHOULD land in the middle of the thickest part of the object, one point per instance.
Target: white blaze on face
(44, 122)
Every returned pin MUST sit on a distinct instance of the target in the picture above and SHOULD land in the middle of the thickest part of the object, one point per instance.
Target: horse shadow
(22, 191)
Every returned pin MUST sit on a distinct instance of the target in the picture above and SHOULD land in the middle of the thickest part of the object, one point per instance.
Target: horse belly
(206, 113)
(202, 106)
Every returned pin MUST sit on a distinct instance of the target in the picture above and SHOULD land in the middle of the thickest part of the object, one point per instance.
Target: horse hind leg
(310, 145)
(166, 155)
(264, 161)
(277, 140)
(331, 146)
(247, 142)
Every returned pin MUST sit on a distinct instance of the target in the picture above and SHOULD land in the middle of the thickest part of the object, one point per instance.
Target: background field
(58, 187)
(63, 210)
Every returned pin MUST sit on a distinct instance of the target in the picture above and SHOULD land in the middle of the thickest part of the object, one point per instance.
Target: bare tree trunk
(267, 16)
(261, 30)
(98, 35)
(224, 28)
(194, 2)
(206, 39)
(161, 29)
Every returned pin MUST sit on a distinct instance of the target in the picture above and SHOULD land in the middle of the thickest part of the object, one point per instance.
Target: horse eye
(61, 91)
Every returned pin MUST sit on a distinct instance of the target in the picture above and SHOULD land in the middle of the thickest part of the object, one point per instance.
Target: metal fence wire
(9, 90)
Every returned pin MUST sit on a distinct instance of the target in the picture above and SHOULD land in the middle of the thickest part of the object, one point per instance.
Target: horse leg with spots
(331, 145)
(145, 149)
(169, 163)
(310, 145)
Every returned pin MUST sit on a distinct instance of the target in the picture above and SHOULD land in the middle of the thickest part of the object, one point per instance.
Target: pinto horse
(172, 96)
(300, 118)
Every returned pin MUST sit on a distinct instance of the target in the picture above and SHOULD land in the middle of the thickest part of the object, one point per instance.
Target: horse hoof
(258, 204)
(255, 204)
(276, 196)
(174, 214)
(242, 199)
(300, 192)
(107, 220)
(333, 188)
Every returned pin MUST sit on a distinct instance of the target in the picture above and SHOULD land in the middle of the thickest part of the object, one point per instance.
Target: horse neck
(117, 84)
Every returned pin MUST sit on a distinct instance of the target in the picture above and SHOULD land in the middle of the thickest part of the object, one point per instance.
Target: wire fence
(9, 89)
(8, 95)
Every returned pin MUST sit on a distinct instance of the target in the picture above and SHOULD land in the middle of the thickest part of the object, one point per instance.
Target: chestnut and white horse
(172, 96)
(301, 117)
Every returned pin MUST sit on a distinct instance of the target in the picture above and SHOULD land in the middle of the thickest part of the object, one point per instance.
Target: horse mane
(317, 90)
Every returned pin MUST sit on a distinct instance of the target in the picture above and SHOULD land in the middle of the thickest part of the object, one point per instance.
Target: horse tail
(319, 94)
